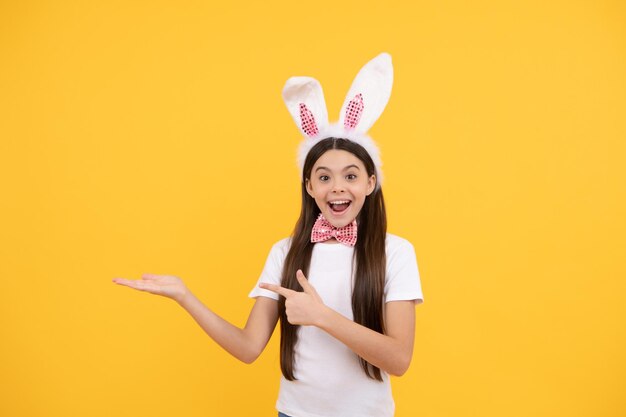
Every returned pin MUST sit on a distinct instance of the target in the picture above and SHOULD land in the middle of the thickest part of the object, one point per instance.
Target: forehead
(337, 159)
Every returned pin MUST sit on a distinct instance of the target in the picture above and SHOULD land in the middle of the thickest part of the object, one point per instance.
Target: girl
(344, 289)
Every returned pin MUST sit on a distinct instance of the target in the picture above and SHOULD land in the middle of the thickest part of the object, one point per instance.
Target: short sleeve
(403, 279)
(272, 271)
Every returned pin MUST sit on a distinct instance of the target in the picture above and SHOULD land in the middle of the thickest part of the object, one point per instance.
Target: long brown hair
(369, 253)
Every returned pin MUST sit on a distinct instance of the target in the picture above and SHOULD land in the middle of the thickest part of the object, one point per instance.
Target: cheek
(320, 189)
(363, 190)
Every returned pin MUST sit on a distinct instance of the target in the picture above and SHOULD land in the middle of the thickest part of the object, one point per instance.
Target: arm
(391, 352)
(245, 344)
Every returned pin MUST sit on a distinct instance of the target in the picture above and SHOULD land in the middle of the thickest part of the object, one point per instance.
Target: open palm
(165, 285)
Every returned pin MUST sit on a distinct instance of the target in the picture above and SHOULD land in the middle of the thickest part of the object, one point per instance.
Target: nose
(338, 187)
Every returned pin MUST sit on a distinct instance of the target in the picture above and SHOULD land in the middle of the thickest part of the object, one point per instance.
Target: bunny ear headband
(362, 106)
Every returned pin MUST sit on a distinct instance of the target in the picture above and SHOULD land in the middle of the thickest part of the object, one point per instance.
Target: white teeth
(340, 202)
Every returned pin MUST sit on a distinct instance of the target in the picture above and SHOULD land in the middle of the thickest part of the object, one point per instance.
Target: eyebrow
(345, 169)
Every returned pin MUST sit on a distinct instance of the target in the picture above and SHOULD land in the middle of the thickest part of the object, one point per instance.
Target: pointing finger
(285, 292)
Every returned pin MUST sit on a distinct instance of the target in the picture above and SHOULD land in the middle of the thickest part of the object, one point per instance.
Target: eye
(324, 178)
(351, 176)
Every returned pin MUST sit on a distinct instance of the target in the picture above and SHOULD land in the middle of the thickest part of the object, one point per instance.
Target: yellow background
(151, 137)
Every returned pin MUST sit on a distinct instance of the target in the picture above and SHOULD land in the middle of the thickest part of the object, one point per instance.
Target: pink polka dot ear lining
(308, 121)
(353, 112)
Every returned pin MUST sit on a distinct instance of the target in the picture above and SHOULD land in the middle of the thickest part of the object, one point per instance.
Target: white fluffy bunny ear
(305, 101)
(368, 94)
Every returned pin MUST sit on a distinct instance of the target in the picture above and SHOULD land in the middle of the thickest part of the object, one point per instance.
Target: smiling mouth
(339, 207)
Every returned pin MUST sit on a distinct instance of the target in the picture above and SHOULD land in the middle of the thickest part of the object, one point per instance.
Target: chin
(339, 222)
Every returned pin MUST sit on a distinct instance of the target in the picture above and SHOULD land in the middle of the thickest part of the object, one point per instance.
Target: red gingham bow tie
(323, 230)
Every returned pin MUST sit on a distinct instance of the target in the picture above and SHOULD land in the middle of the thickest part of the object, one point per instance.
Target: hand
(303, 308)
(165, 285)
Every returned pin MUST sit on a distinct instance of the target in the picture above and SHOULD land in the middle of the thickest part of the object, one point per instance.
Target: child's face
(340, 177)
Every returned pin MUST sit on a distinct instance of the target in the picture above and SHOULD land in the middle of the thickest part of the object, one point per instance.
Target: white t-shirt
(329, 379)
